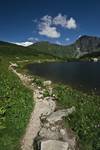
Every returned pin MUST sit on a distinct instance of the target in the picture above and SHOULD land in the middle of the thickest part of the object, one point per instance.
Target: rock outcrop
(58, 115)
(86, 45)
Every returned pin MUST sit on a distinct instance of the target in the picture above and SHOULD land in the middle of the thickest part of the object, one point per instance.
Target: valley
(17, 101)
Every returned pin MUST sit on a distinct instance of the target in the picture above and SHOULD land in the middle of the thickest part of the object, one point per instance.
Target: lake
(81, 75)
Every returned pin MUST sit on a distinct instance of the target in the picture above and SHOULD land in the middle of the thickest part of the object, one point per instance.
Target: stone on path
(58, 115)
(47, 83)
(54, 145)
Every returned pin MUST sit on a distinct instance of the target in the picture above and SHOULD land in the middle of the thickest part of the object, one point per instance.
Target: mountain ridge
(83, 46)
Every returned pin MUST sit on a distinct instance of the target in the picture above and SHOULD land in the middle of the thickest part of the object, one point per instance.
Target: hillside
(54, 49)
(85, 46)
(9, 49)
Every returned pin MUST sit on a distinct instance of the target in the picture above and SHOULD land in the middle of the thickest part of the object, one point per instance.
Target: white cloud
(35, 20)
(67, 39)
(48, 25)
(49, 31)
(47, 20)
(32, 39)
(58, 43)
(25, 44)
(60, 20)
(79, 36)
(46, 29)
(71, 23)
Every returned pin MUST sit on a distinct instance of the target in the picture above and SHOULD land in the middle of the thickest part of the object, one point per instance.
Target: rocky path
(45, 130)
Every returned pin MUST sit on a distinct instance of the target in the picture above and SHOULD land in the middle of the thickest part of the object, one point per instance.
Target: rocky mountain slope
(87, 45)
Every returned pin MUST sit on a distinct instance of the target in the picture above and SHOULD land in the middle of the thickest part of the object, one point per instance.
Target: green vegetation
(16, 104)
(16, 101)
(46, 93)
(58, 51)
(84, 47)
(18, 52)
(38, 81)
(86, 120)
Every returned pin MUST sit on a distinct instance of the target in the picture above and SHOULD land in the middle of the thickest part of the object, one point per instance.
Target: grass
(16, 104)
(86, 120)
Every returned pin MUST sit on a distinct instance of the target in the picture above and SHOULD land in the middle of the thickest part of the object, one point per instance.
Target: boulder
(54, 145)
(47, 133)
(47, 83)
(58, 115)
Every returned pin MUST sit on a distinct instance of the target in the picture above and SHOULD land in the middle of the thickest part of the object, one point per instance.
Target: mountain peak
(87, 37)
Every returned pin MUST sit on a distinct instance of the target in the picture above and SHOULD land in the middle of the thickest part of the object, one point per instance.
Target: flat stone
(53, 128)
(14, 65)
(63, 132)
(47, 83)
(40, 96)
(47, 125)
(69, 136)
(50, 91)
(49, 134)
(39, 87)
(58, 115)
(54, 145)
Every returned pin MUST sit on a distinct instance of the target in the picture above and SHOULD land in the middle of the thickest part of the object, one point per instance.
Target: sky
(56, 21)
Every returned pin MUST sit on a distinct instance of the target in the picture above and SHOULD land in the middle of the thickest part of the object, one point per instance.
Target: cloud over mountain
(48, 25)
(64, 22)
(46, 28)
(71, 23)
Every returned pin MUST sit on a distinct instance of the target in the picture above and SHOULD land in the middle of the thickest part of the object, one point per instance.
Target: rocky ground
(45, 130)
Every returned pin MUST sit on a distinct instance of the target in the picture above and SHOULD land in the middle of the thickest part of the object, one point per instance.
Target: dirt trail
(51, 130)
(42, 108)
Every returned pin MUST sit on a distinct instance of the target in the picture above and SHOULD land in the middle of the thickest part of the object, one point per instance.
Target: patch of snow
(25, 44)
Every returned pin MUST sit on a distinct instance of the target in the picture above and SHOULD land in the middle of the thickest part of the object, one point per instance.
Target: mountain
(87, 45)
(54, 49)
(10, 49)
(84, 46)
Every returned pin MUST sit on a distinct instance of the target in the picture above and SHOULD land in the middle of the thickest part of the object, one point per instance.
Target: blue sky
(58, 21)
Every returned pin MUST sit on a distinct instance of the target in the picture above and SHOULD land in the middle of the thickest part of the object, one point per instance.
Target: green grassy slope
(85, 45)
(16, 101)
(16, 104)
(13, 51)
(8, 49)
(62, 52)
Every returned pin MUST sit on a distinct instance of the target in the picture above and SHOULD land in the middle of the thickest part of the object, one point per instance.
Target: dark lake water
(81, 75)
